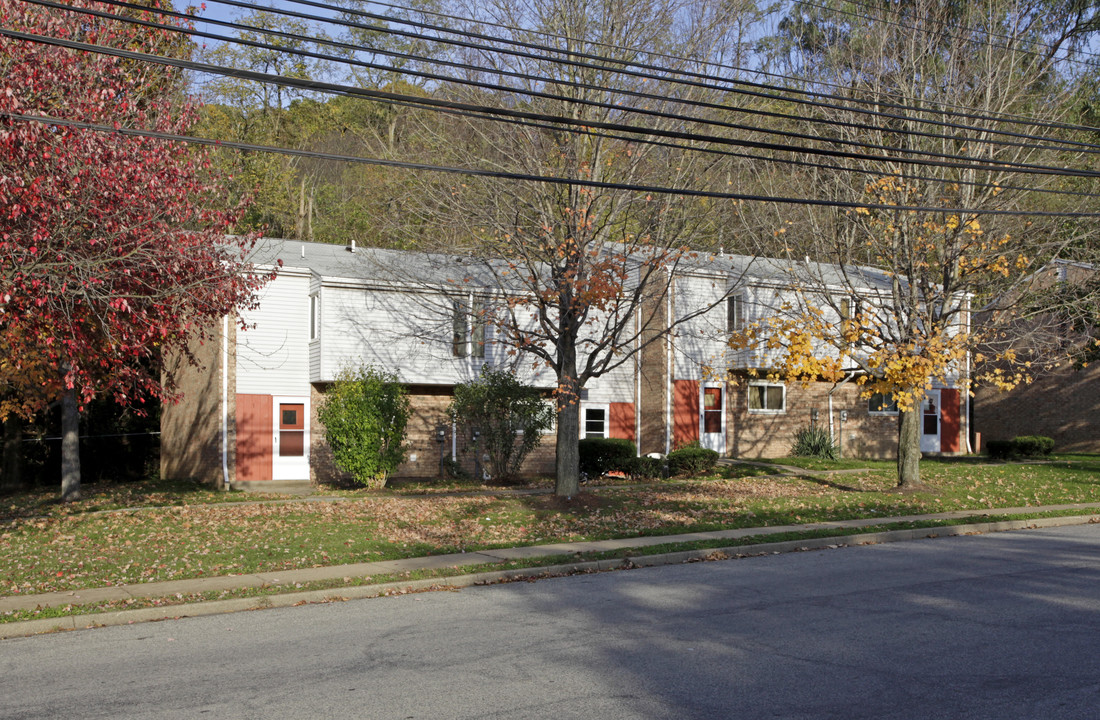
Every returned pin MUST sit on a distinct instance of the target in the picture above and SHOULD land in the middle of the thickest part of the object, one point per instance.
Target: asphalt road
(993, 626)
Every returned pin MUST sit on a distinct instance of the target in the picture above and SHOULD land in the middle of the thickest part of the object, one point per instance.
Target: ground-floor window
(766, 397)
(881, 403)
(595, 421)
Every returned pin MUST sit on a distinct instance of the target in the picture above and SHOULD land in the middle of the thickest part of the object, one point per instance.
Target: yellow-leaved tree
(954, 130)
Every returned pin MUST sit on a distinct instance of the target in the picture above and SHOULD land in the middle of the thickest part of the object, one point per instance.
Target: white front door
(290, 445)
(930, 422)
(712, 418)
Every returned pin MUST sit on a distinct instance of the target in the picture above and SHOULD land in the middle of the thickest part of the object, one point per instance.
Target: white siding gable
(273, 352)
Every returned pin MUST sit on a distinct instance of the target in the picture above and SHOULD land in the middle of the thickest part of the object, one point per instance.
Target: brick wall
(765, 435)
(191, 430)
(1063, 404)
(653, 391)
(428, 406)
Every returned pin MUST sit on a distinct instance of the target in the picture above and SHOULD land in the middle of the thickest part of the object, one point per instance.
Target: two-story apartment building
(724, 399)
(249, 414)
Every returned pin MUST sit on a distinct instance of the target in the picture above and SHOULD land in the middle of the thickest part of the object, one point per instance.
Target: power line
(903, 26)
(630, 187)
(511, 112)
(593, 103)
(788, 161)
(677, 58)
(969, 112)
(1084, 147)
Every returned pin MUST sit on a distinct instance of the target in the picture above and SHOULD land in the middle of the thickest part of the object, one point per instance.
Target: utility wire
(964, 29)
(783, 160)
(1086, 148)
(616, 65)
(801, 163)
(588, 132)
(677, 58)
(630, 187)
(511, 112)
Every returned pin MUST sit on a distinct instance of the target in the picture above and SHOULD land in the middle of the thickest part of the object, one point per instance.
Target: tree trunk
(909, 448)
(70, 446)
(11, 476)
(569, 431)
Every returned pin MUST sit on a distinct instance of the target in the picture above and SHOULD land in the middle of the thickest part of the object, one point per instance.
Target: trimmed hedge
(691, 460)
(1021, 446)
(1033, 445)
(646, 468)
(602, 455)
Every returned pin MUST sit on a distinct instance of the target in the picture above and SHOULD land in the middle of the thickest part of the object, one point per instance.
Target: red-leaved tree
(113, 248)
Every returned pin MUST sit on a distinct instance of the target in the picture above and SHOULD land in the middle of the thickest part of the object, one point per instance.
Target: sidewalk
(984, 521)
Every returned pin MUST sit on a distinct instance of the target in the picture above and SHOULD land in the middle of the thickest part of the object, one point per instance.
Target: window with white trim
(735, 313)
(468, 328)
(595, 421)
(882, 404)
(314, 319)
(767, 398)
(850, 308)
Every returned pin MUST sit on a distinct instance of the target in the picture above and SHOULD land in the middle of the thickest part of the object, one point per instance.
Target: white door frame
(930, 442)
(296, 467)
(713, 441)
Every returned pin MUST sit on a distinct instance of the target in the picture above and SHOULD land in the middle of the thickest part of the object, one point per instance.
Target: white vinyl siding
(273, 350)
(412, 334)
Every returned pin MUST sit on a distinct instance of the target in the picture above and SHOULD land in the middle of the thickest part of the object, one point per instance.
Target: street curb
(27, 628)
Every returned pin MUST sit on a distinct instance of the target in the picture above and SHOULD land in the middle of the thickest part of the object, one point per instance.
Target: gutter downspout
(225, 402)
(638, 348)
(668, 369)
(969, 397)
(850, 375)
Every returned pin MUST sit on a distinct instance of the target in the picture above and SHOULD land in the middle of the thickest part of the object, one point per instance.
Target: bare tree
(953, 108)
(584, 260)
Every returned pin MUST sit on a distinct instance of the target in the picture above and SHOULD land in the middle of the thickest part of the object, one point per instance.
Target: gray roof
(386, 266)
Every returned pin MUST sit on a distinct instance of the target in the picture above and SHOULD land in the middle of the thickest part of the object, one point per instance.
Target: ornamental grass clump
(814, 442)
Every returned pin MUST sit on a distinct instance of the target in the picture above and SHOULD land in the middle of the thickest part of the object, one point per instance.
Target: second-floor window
(850, 308)
(314, 319)
(468, 328)
(735, 313)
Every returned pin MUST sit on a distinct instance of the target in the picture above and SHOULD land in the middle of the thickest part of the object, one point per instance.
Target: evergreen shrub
(603, 455)
(691, 460)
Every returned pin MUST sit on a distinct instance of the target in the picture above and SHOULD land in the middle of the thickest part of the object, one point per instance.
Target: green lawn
(185, 531)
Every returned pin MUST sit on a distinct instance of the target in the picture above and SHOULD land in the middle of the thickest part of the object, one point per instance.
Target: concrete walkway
(982, 521)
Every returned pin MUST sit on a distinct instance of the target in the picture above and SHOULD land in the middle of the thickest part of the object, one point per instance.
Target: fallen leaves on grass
(67, 551)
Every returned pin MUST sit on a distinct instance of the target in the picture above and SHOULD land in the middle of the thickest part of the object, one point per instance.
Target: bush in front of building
(1020, 446)
(1034, 445)
(365, 413)
(604, 455)
(816, 442)
(508, 416)
(691, 460)
(646, 468)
